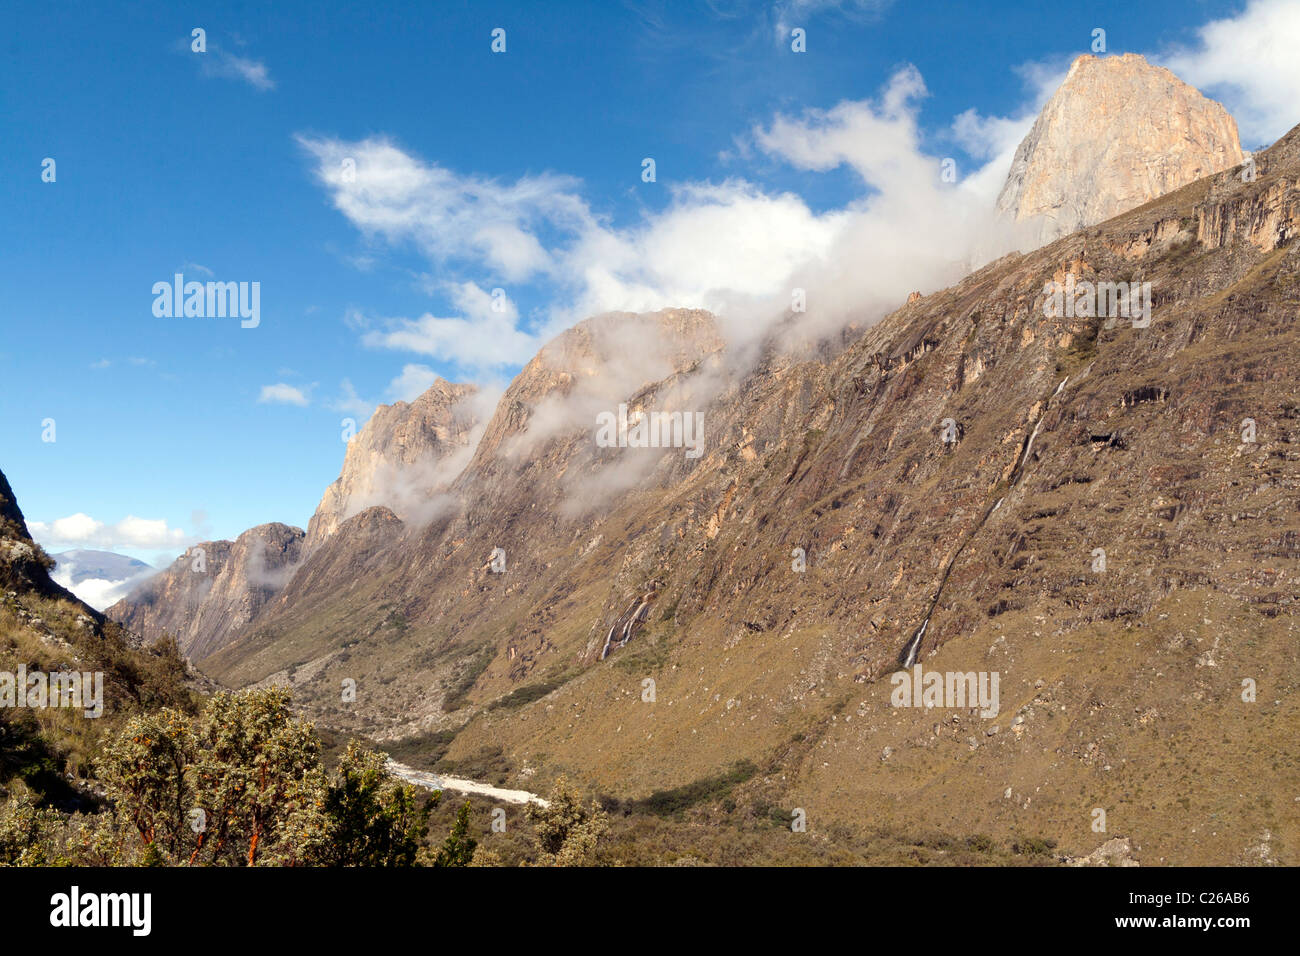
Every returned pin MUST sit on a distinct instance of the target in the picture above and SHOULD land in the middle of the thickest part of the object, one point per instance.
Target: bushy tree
(241, 783)
(458, 848)
(29, 834)
(567, 833)
(145, 771)
(257, 775)
(375, 822)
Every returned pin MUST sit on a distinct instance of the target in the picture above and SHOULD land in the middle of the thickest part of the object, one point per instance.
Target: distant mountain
(213, 590)
(1119, 132)
(81, 564)
(99, 577)
(396, 469)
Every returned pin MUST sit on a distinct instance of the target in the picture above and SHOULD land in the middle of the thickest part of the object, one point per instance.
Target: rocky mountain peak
(1117, 133)
(404, 456)
(593, 366)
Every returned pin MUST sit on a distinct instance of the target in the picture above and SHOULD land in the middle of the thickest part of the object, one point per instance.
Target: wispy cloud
(485, 336)
(387, 192)
(138, 361)
(283, 394)
(231, 66)
(414, 381)
(99, 593)
(216, 61)
(788, 14)
(731, 247)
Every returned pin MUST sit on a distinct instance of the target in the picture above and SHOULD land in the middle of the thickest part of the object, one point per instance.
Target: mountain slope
(1074, 434)
(44, 629)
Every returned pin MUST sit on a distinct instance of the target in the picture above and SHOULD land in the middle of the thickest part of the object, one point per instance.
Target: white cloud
(713, 246)
(879, 141)
(283, 394)
(729, 247)
(219, 63)
(389, 193)
(1252, 63)
(485, 336)
(414, 381)
(80, 530)
(489, 343)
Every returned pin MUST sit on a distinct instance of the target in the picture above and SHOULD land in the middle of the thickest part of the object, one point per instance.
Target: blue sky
(520, 170)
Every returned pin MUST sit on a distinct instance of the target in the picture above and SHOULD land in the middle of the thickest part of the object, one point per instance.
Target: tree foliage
(458, 848)
(567, 832)
(241, 783)
(375, 822)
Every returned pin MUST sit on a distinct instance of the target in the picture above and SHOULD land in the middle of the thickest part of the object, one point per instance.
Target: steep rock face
(213, 590)
(353, 555)
(651, 361)
(943, 482)
(1118, 133)
(404, 456)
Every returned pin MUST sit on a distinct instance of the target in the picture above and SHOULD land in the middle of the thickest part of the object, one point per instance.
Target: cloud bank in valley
(98, 592)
